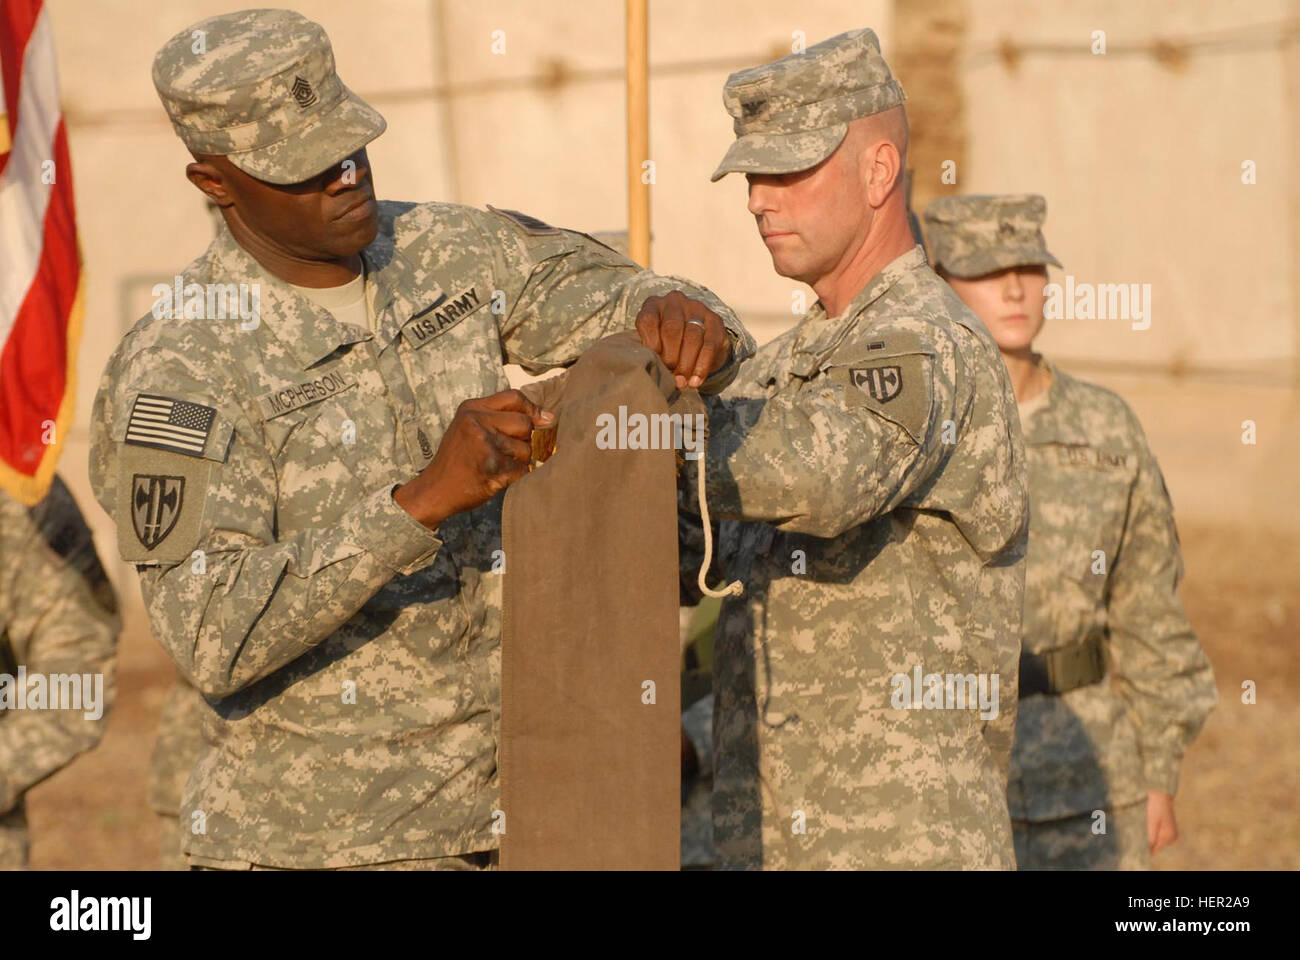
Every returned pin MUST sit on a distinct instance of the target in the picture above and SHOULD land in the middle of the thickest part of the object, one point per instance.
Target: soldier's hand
(687, 336)
(485, 449)
(1162, 830)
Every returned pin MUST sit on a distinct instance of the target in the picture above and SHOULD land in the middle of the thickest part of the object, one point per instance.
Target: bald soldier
(1113, 683)
(58, 651)
(310, 485)
(865, 682)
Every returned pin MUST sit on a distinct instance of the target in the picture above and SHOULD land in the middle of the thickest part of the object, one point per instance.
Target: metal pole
(638, 131)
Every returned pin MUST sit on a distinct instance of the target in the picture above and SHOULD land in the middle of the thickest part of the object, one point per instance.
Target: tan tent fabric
(590, 773)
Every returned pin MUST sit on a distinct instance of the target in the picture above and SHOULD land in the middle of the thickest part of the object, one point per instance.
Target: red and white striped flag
(40, 263)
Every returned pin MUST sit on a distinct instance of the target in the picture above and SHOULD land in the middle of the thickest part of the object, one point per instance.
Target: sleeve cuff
(1162, 775)
(392, 535)
(721, 378)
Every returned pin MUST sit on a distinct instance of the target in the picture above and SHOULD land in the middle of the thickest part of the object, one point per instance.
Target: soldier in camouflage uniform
(870, 464)
(58, 615)
(1113, 683)
(312, 494)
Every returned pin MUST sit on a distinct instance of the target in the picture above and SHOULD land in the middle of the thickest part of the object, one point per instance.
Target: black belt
(1060, 671)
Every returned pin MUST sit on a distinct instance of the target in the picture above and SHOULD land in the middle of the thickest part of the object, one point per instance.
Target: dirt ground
(1236, 806)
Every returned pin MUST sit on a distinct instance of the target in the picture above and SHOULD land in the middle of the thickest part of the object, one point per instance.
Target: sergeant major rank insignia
(302, 92)
(155, 506)
(883, 383)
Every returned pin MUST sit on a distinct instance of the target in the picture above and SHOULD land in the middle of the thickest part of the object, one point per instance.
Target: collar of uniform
(394, 277)
(307, 331)
(818, 335)
(1057, 421)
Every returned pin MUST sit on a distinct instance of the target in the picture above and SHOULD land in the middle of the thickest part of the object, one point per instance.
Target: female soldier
(1113, 682)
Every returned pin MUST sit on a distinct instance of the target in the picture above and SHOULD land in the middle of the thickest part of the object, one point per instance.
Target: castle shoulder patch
(898, 388)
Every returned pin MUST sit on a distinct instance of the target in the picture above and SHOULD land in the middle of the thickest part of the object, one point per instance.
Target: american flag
(40, 265)
(167, 424)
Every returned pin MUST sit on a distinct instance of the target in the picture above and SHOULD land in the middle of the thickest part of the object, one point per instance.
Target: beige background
(1139, 156)
(1138, 151)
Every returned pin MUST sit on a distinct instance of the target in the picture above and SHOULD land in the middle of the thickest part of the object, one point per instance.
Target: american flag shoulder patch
(168, 424)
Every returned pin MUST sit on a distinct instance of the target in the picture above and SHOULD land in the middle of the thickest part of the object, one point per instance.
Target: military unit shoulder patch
(164, 423)
(156, 503)
(529, 225)
(897, 388)
(883, 382)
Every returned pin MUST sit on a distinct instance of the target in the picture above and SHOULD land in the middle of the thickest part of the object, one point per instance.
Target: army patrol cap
(791, 114)
(259, 87)
(978, 234)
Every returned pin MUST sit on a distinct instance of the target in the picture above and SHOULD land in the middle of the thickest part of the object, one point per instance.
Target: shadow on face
(332, 216)
(1010, 302)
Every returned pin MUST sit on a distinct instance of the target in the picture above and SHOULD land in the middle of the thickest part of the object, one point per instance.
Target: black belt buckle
(1034, 677)
(1038, 676)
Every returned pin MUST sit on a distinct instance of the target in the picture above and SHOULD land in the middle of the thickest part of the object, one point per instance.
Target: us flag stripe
(145, 420)
(135, 433)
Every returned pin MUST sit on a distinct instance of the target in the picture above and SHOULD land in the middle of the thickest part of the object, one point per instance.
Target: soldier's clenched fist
(688, 337)
(485, 449)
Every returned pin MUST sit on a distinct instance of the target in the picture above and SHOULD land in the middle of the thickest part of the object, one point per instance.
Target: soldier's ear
(883, 169)
(210, 180)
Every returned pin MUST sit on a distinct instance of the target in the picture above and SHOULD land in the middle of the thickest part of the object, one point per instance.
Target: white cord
(735, 588)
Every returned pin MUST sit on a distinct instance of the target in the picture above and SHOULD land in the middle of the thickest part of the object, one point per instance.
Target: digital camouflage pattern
(351, 655)
(259, 87)
(58, 615)
(1104, 564)
(792, 113)
(876, 461)
(970, 236)
(1079, 843)
(177, 749)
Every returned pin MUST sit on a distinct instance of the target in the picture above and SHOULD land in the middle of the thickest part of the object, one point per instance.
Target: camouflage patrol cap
(259, 87)
(978, 234)
(791, 114)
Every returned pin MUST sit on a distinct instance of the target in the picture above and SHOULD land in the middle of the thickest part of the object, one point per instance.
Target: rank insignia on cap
(883, 383)
(166, 424)
(155, 506)
(303, 93)
(749, 109)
